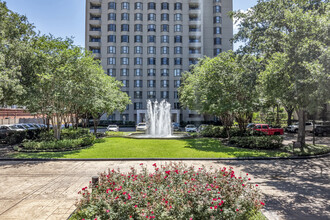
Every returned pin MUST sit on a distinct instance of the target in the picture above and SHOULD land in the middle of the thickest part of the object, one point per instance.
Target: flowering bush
(173, 191)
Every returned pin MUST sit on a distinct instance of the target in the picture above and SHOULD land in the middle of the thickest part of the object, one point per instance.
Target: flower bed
(173, 191)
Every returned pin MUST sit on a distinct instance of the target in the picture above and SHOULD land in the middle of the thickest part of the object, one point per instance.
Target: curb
(163, 159)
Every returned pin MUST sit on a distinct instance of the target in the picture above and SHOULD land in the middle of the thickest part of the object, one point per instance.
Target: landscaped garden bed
(173, 191)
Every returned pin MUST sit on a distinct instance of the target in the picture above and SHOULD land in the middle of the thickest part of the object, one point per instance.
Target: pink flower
(237, 210)
(262, 203)
(135, 206)
(108, 210)
(141, 164)
(154, 165)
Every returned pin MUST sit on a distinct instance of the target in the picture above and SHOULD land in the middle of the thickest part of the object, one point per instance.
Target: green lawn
(118, 147)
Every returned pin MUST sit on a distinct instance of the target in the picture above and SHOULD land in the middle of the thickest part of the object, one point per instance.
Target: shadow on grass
(214, 145)
(42, 155)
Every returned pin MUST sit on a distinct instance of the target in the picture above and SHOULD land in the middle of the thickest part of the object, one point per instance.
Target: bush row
(64, 144)
(173, 191)
(259, 142)
(220, 132)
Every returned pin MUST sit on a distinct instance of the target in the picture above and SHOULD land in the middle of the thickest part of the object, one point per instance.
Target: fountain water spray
(159, 119)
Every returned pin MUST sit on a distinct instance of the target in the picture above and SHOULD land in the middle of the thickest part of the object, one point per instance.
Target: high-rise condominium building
(147, 44)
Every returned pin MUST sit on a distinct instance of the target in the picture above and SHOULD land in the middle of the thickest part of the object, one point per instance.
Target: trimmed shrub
(257, 142)
(72, 133)
(16, 137)
(220, 132)
(173, 191)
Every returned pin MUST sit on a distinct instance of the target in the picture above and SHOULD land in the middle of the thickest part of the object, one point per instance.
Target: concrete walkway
(294, 189)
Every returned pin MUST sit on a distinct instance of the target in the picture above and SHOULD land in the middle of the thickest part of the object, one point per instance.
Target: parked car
(190, 128)
(201, 127)
(175, 126)
(294, 128)
(141, 127)
(268, 130)
(250, 125)
(5, 130)
(26, 126)
(112, 128)
(22, 126)
(322, 130)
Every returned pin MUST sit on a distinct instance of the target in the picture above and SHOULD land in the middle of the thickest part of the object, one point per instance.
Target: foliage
(293, 38)
(117, 147)
(72, 133)
(219, 132)
(224, 86)
(257, 142)
(173, 191)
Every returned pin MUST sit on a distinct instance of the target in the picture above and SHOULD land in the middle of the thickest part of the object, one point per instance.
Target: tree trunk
(314, 130)
(278, 115)
(301, 130)
(95, 121)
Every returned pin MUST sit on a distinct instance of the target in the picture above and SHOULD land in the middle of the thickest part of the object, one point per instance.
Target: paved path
(294, 189)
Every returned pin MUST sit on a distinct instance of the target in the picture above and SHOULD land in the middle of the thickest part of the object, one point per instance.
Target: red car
(267, 130)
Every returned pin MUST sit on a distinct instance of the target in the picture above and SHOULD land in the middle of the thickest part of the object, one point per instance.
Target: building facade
(148, 44)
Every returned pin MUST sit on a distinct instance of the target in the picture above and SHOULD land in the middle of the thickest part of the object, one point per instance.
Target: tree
(224, 86)
(293, 38)
(15, 34)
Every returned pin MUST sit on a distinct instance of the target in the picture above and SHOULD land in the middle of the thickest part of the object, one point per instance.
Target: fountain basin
(147, 136)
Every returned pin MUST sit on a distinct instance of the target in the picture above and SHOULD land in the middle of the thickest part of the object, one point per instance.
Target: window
(152, 5)
(151, 50)
(125, 5)
(193, 61)
(138, 17)
(151, 39)
(138, 61)
(177, 50)
(177, 17)
(124, 38)
(217, 51)
(177, 72)
(138, 39)
(177, 105)
(217, 9)
(112, 5)
(151, 61)
(164, 83)
(165, 61)
(217, 30)
(112, 16)
(95, 28)
(151, 72)
(177, 6)
(138, 105)
(165, 50)
(125, 16)
(138, 5)
(216, 0)
(165, 17)
(138, 27)
(125, 27)
(176, 94)
(125, 83)
(124, 72)
(112, 49)
(111, 60)
(151, 27)
(164, 28)
(178, 61)
(111, 72)
(112, 38)
(151, 83)
(95, 50)
(165, 39)
(217, 40)
(164, 72)
(178, 28)
(151, 94)
(217, 19)
(124, 61)
(124, 49)
(138, 72)
(138, 83)
(138, 50)
(93, 39)
(178, 39)
(164, 94)
(138, 94)
(112, 27)
(151, 17)
(165, 6)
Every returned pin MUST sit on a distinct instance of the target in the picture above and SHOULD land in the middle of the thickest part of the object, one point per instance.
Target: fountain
(159, 119)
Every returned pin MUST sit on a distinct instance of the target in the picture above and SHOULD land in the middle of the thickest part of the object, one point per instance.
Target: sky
(66, 18)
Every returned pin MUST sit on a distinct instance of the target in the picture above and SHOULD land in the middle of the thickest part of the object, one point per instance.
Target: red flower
(154, 165)
(141, 164)
(262, 203)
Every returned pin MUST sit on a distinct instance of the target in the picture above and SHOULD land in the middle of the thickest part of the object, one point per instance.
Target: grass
(118, 147)
(309, 150)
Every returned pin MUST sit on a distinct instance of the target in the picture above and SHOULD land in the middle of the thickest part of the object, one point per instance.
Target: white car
(112, 128)
(141, 127)
(190, 128)
(295, 127)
